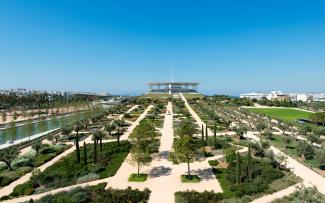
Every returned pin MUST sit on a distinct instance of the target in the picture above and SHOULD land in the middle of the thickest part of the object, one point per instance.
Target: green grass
(134, 177)
(283, 113)
(190, 179)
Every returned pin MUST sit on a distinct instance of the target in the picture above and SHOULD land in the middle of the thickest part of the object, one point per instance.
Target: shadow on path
(160, 171)
(163, 155)
(204, 174)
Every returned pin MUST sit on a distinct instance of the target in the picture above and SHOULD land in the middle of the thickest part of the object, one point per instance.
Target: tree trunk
(100, 144)
(138, 169)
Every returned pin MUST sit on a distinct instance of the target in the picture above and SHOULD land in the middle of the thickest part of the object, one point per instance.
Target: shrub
(134, 177)
(194, 197)
(306, 150)
(213, 162)
(20, 162)
(190, 178)
(67, 172)
(87, 178)
(26, 188)
(98, 193)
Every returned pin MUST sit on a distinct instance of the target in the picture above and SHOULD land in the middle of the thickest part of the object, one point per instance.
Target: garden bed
(67, 171)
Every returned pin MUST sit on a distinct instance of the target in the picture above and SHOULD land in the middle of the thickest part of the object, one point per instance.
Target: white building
(257, 96)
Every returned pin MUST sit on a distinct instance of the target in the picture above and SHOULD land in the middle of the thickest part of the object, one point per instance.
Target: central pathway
(163, 176)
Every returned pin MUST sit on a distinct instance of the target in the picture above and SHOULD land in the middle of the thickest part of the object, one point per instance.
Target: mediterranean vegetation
(98, 193)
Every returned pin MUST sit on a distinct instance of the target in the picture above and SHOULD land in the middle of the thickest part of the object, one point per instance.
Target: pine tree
(85, 154)
(238, 168)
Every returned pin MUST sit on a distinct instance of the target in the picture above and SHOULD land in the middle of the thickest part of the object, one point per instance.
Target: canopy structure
(173, 87)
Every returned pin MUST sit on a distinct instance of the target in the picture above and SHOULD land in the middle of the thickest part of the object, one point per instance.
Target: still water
(22, 131)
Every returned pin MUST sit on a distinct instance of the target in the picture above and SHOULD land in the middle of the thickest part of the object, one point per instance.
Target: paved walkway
(277, 195)
(194, 114)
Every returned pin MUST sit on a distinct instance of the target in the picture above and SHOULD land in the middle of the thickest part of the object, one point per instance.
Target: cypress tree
(95, 151)
(215, 134)
(206, 135)
(100, 141)
(237, 168)
(203, 142)
(85, 154)
(249, 164)
(77, 147)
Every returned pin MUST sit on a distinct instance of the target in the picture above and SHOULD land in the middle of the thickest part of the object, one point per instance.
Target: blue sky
(117, 46)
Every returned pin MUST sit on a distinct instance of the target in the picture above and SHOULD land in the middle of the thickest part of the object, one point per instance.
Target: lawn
(282, 113)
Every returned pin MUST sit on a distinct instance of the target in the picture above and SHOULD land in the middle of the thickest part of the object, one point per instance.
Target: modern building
(257, 96)
(173, 87)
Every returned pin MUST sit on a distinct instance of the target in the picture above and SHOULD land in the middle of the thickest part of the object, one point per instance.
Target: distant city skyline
(118, 46)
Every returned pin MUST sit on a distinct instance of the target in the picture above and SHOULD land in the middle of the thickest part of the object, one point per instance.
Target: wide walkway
(194, 114)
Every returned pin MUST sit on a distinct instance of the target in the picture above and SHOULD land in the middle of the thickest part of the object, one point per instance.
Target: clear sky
(117, 46)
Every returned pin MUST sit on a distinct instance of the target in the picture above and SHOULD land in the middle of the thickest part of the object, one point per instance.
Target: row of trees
(40, 100)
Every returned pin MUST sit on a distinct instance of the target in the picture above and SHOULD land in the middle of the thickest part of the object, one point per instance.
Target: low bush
(20, 162)
(98, 193)
(27, 188)
(190, 179)
(213, 162)
(6, 177)
(87, 178)
(194, 197)
(134, 177)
